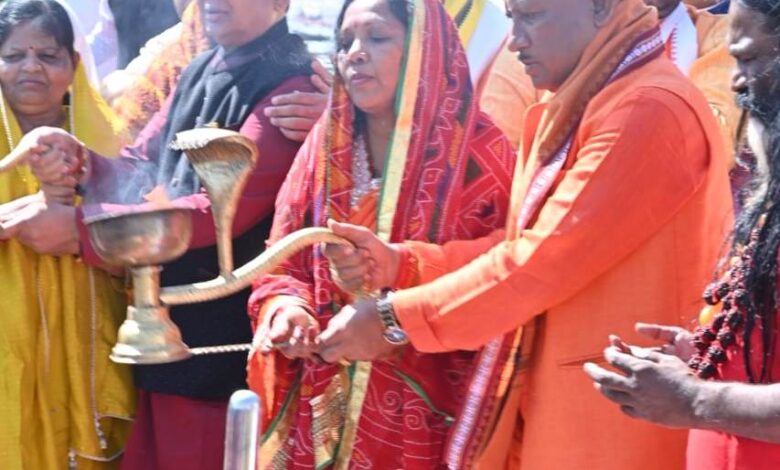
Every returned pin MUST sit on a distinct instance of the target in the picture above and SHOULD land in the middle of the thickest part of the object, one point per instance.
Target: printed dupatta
(447, 176)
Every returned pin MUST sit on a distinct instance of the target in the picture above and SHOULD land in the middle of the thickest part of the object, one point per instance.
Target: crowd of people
(564, 211)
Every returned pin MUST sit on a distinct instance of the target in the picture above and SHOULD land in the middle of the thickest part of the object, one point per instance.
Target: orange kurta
(629, 232)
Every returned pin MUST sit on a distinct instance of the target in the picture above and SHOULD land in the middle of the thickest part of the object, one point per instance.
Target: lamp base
(148, 336)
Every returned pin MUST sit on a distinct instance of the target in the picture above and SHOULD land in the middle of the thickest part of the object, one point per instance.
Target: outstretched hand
(678, 341)
(649, 384)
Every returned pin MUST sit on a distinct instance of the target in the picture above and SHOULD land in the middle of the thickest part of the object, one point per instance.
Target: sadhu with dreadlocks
(723, 380)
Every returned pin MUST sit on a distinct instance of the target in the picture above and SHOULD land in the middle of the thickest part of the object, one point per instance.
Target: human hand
(356, 333)
(679, 341)
(321, 79)
(370, 265)
(291, 330)
(34, 144)
(652, 386)
(55, 157)
(296, 113)
(32, 224)
(62, 194)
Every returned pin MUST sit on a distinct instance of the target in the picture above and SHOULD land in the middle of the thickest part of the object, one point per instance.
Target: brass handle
(16, 158)
(223, 160)
(242, 277)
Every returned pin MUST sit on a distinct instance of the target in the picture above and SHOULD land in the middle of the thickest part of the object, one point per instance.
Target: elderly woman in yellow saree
(402, 150)
(62, 403)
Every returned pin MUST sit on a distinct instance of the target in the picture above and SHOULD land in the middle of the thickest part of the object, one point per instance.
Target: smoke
(126, 185)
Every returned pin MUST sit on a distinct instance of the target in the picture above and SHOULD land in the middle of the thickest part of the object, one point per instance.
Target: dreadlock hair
(761, 217)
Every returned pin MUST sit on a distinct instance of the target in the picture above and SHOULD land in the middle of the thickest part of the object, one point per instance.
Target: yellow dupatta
(59, 392)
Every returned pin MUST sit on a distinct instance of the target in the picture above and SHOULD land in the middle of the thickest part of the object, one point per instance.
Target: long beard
(757, 140)
(765, 110)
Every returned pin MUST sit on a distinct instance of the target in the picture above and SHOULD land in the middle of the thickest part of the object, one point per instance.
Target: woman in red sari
(409, 155)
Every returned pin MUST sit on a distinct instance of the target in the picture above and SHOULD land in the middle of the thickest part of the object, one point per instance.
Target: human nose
(31, 63)
(518, 41)
(357, 53)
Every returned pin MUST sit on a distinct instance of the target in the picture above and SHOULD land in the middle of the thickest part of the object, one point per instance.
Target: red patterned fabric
(455, 186)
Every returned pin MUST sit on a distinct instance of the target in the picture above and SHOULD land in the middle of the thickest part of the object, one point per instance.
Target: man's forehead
(747, 22)
(521, 4)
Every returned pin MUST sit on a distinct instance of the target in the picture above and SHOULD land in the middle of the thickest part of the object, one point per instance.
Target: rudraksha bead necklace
(729, 301)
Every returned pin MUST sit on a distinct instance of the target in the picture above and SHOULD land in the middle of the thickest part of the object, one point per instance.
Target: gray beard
(758, 139)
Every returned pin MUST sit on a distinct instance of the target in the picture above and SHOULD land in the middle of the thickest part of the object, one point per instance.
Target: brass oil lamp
(144, 239)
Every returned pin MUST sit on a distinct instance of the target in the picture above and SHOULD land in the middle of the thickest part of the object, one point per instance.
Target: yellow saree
(63, 404)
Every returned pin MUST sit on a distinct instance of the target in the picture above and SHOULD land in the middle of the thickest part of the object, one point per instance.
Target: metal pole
(242, 429)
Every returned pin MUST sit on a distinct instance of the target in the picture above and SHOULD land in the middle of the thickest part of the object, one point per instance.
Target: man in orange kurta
(620, 206)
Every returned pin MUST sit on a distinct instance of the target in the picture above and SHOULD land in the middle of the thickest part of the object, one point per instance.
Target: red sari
(453, 183)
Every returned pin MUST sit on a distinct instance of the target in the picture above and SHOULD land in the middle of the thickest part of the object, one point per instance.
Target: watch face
(396, 336)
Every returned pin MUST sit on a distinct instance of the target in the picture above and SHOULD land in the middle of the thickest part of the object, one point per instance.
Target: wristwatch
(393, 333)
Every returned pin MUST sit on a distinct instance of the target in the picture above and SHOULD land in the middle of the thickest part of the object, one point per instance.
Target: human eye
(12, 57)
(532, 17)
(526, 16)
(743, 56)
(343, 43)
